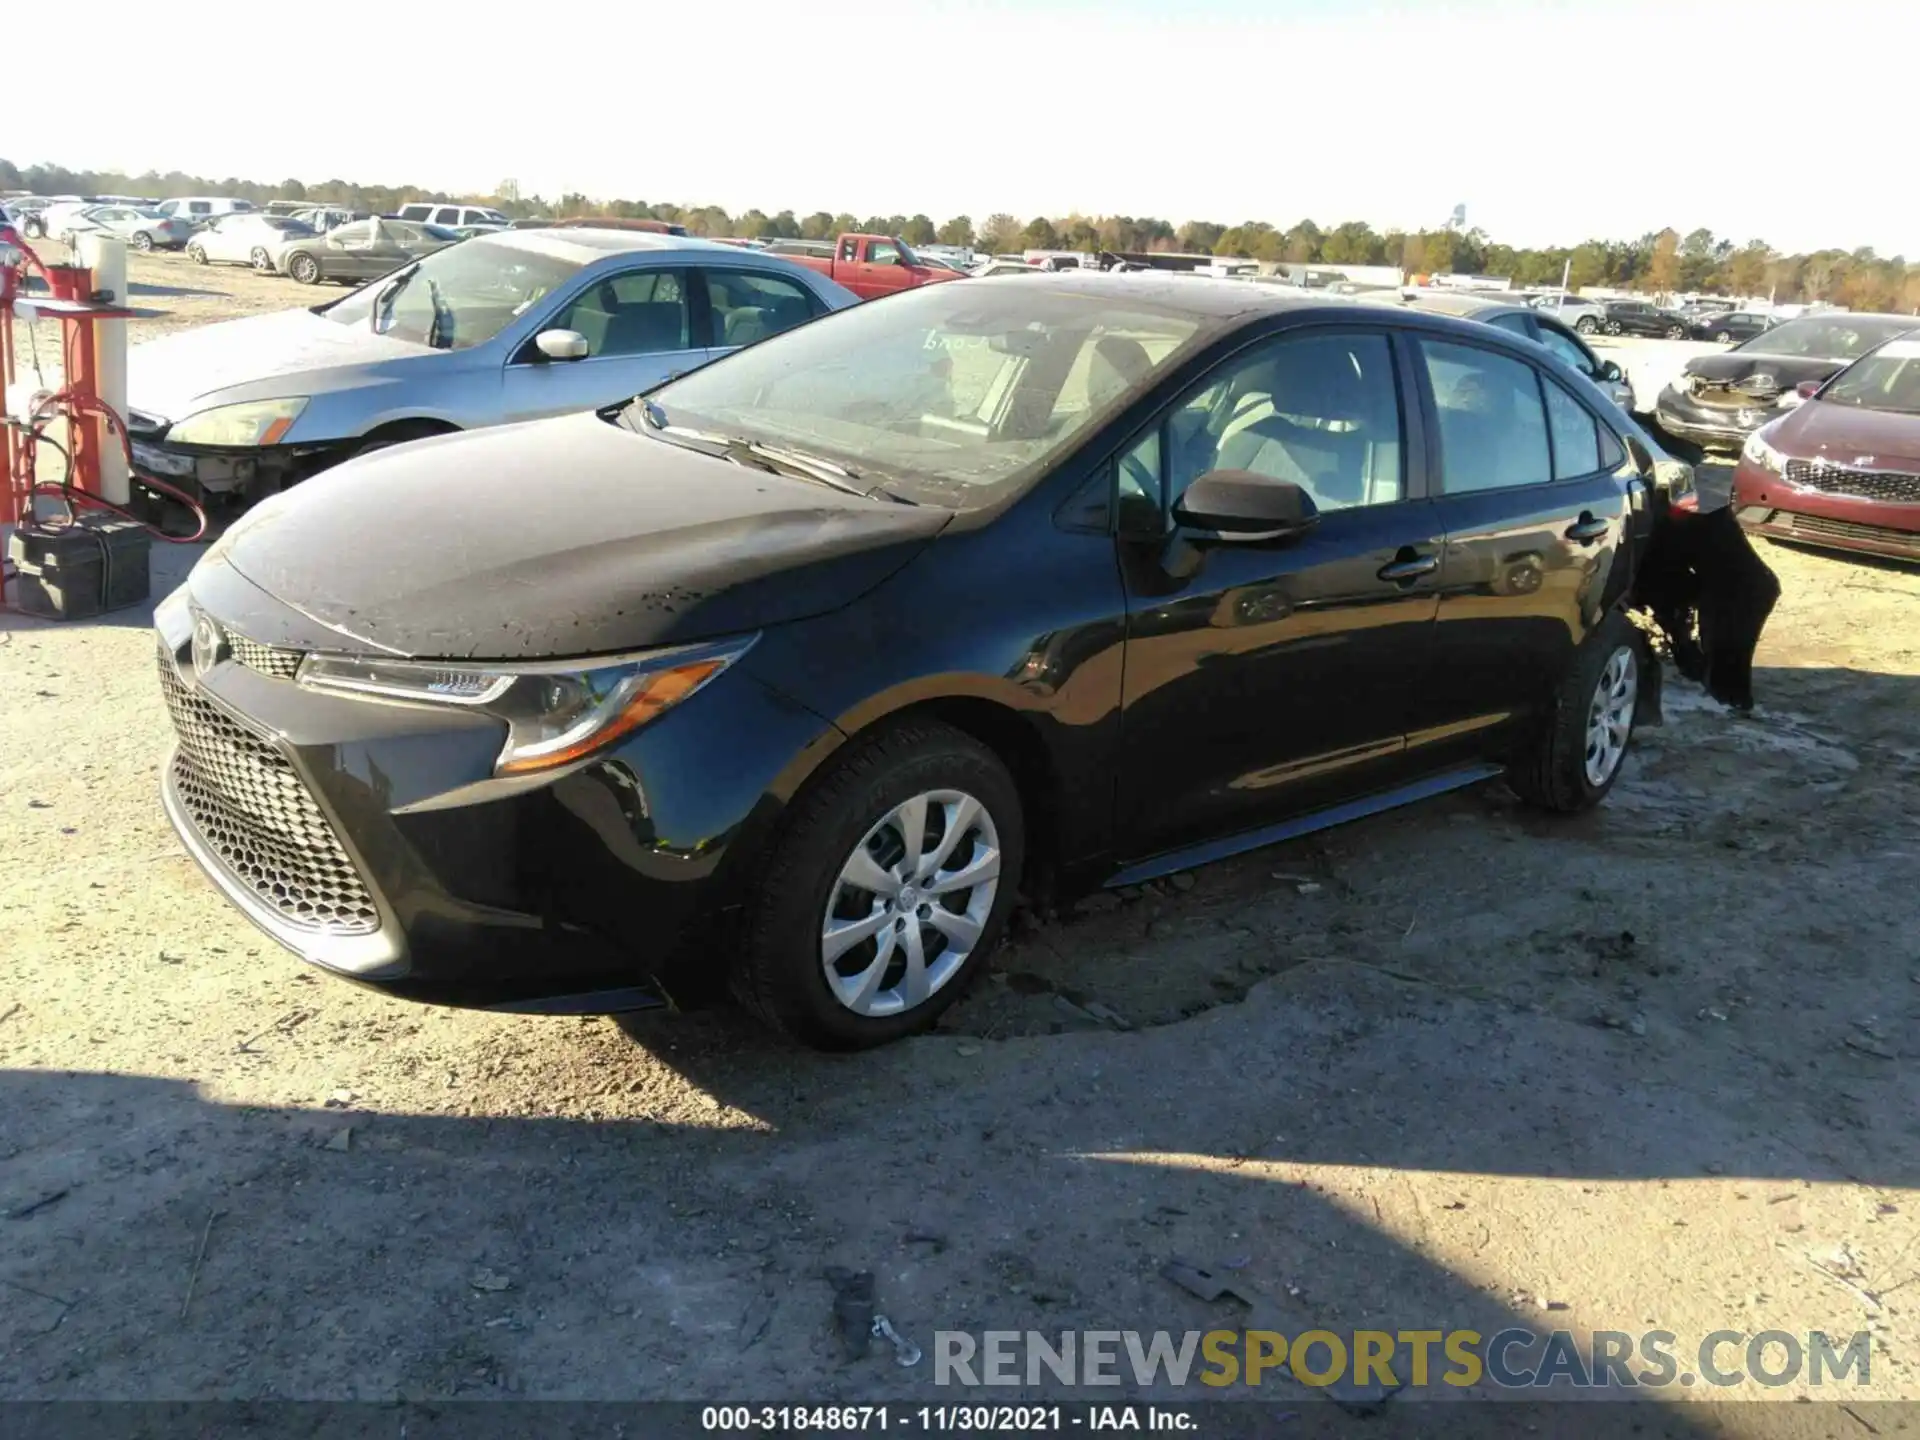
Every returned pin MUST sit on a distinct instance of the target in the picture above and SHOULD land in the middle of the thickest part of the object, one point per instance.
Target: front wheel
(1575, 761)
(885, 892)
(304, 269)
(197, 254)
(142, 241)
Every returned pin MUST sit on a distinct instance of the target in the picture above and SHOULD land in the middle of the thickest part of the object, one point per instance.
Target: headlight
(257, 422)
(1758, 452)
(555, 713)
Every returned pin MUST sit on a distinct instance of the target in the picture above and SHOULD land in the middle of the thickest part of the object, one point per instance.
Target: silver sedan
(506, 327)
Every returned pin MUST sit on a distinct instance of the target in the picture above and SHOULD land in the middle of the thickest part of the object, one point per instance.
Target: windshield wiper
(775, 458)
(439, 336)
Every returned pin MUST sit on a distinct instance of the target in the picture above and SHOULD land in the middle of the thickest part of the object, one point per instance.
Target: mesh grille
(267, 659)
(1894, 485)
(1820, 526)
(253, 811)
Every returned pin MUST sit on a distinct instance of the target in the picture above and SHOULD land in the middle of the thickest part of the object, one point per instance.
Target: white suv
(455, 217)
(203, 209)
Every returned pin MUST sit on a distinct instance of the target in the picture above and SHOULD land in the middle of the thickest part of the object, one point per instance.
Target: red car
(1842, 471)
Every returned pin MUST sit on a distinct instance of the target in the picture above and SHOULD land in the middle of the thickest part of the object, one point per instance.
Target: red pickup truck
(868, 265)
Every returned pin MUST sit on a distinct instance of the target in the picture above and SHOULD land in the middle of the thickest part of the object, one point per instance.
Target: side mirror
(1612, 373)
(1239, 505)
(1643, 462)
(561, 344)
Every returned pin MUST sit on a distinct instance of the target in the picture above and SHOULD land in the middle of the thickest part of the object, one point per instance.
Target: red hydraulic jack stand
(89, 423)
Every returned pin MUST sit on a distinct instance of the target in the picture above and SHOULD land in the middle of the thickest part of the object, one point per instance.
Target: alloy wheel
(910, 903)
(1610, 716)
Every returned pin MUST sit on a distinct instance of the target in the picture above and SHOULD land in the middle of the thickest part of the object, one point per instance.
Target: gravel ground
(1455, 1067)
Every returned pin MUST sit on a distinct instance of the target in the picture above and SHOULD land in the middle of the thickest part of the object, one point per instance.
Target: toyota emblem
(207, 645)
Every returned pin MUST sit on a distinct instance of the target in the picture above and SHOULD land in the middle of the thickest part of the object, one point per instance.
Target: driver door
(640, 332)
(1267, 679)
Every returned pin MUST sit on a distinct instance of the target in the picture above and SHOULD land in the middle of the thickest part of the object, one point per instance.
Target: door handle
(1412, 567)
(1587, 529)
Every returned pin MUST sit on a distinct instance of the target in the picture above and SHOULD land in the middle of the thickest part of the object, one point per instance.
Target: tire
(304, 268)
(1613, 327)
(850, 820)
(34, 228)
(196, 254)
(1562, 771)
(1676, 332)
(399, 433)
(260, 260)
(142, 241)
(1586, 325)
(1725, 337)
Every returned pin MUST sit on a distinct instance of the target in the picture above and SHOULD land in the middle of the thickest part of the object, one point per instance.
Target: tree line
(1664, 262)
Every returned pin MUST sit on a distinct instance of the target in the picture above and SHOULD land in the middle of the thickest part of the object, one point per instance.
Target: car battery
(73, 572)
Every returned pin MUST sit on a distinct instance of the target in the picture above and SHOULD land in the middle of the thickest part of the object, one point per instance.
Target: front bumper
(221, 470)
(1765, 504)
(1712, 427)
(369, 838)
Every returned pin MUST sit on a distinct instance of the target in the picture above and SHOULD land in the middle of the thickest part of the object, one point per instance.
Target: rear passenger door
(1533, 493)
(639, 329)
(746, 306)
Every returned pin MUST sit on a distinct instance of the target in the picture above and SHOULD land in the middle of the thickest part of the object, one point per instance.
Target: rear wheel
(1676, 332)
(1723, 336)
(260, 259)
(1577, 758)
(1613, 327)
(304, 269)
(886, 891)
(142, 240)
(1586, 325)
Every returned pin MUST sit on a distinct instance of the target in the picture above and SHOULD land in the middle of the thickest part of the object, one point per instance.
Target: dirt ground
(1458, 1067)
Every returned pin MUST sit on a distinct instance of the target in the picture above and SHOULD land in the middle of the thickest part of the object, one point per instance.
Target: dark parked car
(1637, 317)
(1729, 325)
(803, 664)
(1719, 400)
(1842, 471)
(361, 250)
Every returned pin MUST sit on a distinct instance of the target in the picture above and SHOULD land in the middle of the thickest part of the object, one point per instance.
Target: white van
(204, 209)
(454, 217)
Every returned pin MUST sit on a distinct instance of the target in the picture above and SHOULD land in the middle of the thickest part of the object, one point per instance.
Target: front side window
(358, 233)
(948, 388)
(1321, 411)
(883, 252)
(638, 312)
(1567, 349)
(748, 307)
(1493, 428)
(458, 297)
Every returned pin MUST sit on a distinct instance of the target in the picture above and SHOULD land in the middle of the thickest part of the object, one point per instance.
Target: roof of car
(1201, 296)
(1446, 302)
(584, 245)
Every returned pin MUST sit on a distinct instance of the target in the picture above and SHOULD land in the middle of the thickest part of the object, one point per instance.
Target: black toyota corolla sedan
(793, 672)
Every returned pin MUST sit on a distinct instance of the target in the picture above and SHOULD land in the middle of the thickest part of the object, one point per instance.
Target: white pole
(106, 257)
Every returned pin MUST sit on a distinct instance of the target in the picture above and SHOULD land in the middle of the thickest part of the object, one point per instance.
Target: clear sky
(1552, 122)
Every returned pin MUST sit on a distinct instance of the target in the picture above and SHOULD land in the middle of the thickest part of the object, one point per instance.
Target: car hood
(252, 359)
(1759, 374)
(1848, 435)
(559, 538)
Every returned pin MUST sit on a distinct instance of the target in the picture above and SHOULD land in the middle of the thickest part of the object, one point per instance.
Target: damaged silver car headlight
(556, 712)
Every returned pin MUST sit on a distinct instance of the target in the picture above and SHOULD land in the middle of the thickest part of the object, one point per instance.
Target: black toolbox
(72, 572)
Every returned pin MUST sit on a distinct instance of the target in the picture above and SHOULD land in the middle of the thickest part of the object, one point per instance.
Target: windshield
(954, 387)
(455, 298)
(285, 224)
(1888, 379)
(1829, 337)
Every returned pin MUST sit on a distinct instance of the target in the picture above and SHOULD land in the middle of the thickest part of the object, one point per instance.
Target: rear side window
(1493, 427)
(747, 307)
(446, 215)
(1576, 438)
(1513, 324)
